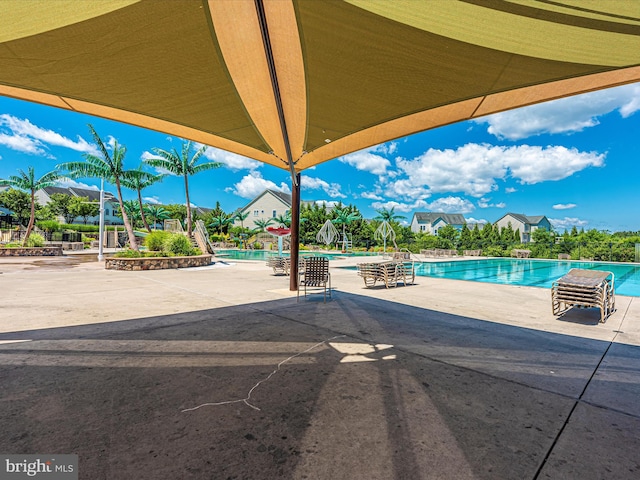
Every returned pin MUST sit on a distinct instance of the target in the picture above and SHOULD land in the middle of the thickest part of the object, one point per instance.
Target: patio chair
(583, 289)
(316, 274)
(279, 265)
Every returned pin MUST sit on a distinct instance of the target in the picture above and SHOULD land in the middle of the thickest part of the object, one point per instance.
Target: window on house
(422, 228)
(275, 214)
(256, 213)
(106, 211)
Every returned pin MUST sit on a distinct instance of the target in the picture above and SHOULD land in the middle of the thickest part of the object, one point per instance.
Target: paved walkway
(219, 372)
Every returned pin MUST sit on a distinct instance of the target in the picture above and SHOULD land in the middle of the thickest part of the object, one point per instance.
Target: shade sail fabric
(310, 80)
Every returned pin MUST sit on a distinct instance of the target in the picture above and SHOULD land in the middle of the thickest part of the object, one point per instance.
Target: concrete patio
(218, 372)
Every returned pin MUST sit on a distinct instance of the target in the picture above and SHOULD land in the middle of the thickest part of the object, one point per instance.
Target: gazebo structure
(294, 83)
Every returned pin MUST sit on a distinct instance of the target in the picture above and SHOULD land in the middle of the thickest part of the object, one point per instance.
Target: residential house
(269, 204)
(431, 222)
(111, 204)
(525, 224)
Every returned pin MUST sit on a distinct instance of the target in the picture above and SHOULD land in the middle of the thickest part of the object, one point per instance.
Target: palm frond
(205, 166)
(101, 146)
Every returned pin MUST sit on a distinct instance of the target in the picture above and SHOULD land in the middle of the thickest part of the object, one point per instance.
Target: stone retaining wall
(30, 252)
(156, 263)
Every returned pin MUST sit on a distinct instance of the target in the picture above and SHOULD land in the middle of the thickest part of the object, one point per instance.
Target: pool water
(532, 273)
(264, 254)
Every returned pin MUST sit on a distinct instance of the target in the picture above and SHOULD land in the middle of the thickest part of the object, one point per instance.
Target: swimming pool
(264, 254)
(532, 273)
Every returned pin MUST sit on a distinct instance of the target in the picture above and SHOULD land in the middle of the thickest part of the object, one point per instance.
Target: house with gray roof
(431, 222)
(525, 224)
(269, 204)
(111, 204)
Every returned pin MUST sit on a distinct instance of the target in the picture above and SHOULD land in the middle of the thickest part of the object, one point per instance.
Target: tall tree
(59, 206)
(28, 182)
(138, 180)
(262, 224)
(221, 222)
(389, 215)
(18, 202)
(156, 213)
(132, 209)
(242, 217)
(180, 164)
(82, 207)
(110, 167)
(344, 216)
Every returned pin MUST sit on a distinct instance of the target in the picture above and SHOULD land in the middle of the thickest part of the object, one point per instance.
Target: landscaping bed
(30, 251)
(156, 263)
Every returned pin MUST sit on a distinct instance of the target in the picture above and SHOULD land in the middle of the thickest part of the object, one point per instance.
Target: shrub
(495, 251)
(128, 254)
(178, 244)
(155, 240)
(35, 240)
(83, 228)
(49, 225)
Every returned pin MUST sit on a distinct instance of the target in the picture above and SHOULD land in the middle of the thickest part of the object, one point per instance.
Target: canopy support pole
(295, 176)
(295, 232)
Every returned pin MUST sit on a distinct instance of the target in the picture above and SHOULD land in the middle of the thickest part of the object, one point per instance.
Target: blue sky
(574, 160)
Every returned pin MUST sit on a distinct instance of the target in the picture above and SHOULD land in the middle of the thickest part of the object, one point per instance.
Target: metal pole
(101, 232)
(295, 232)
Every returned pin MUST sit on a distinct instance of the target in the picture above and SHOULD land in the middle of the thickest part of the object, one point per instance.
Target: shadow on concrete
(354, 388)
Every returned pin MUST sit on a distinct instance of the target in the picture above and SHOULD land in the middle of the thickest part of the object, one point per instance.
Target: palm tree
(179, 163)
(27, 181)
(138, 180)
(107, 166)
(242, 217)
(222, 220)
(132, 207)
(157, 213)
(345, 216)
(284, 220)
(389, 215)
(261, 225)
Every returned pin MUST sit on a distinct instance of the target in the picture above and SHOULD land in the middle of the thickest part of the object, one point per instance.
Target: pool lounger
(584, 288)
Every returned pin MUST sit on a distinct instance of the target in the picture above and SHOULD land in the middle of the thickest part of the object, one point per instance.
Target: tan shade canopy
(310, 80)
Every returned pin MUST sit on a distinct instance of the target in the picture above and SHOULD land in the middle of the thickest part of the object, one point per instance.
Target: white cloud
(564, 206)
(233, 161)
(146, 155)
(474, 168)
(444, 204)
(400, 206)
(328, 203)
(23, 144)
(371, 196)
(510, 190)
(470, 169)
(486, 203)
(566, 115)
(452, 205)
(69, 183)
(314, 183)
(370, 160)
(407, 189)
(29, 138)
(567, 223)
(253, 185)
(471, 221)
(532, 164)
(153, 200)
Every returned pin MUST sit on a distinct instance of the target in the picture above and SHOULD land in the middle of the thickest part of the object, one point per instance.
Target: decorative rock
(156, 263)
(30, 251)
